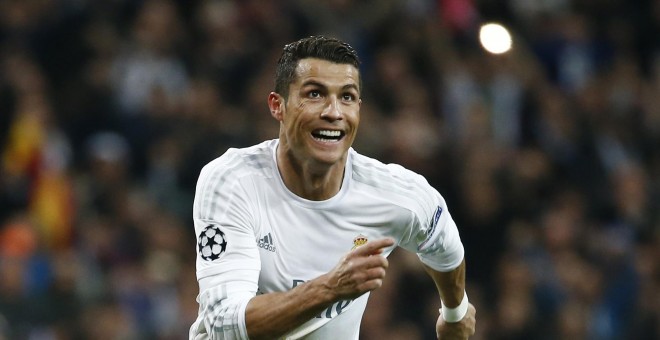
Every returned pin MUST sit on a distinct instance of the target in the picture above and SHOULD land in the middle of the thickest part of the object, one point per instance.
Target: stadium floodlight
(495, 38)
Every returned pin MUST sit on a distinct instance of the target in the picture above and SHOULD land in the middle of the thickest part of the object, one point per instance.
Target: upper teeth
(329, 133)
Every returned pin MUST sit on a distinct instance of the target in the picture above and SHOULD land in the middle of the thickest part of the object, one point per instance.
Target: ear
(276, 105)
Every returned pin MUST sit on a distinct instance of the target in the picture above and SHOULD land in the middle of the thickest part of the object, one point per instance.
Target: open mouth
(327, 135)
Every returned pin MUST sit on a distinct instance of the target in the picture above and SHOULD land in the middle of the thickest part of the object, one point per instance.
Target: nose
(332, 111)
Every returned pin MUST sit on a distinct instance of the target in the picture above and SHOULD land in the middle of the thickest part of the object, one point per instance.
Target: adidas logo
(266, 242)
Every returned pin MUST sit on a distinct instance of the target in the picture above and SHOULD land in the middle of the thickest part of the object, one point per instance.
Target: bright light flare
(495, 38)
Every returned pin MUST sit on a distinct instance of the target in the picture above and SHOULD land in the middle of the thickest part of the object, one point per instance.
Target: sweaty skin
(324, 96)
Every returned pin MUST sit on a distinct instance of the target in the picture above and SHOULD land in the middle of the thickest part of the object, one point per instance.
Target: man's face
(322, 113)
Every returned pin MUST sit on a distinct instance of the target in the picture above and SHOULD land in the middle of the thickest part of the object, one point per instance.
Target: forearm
(360, 271)
(458, 316)
(274, 314)
(450, 285)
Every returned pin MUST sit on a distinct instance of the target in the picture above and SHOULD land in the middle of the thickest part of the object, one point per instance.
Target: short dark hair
(318, 46)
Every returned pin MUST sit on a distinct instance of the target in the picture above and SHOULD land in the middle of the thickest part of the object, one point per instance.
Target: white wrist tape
(455, 314)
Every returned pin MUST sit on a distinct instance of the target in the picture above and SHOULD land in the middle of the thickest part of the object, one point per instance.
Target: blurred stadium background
(548, 155)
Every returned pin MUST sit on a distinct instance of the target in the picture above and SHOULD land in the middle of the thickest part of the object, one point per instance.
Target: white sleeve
(227, 256)
(441, 248)
(433, 235)
(221, 313)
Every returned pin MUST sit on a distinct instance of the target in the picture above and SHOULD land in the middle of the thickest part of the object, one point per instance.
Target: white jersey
(255, 236)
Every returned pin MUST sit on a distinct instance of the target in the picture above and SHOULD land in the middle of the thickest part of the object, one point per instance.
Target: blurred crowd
(548, 155)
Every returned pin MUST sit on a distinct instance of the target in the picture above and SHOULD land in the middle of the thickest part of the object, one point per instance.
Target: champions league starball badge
(211, 243)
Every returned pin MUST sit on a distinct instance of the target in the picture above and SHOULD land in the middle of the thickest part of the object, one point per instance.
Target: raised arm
(457, 316)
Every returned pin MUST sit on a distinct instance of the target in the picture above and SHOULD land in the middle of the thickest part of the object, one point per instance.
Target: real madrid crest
(359, 240)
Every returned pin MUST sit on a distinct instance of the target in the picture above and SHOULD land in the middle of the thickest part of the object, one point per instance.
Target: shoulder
(240, 162)
(395, 185)
(225, 180)
(373, 172)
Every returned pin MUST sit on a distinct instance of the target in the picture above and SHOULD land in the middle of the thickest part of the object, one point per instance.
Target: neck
(308, 179)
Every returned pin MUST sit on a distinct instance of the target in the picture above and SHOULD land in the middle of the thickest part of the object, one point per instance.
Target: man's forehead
(324, 69)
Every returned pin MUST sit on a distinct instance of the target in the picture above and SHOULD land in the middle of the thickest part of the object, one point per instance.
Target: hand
(360, 271)
(457, 330)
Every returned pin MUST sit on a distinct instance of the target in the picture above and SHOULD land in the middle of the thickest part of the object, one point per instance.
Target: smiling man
(293, 233)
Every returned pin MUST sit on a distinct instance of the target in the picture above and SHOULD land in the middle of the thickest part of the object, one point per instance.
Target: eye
(314, 94)
(349, 97)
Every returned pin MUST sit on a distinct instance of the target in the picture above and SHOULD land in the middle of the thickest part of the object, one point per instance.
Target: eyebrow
(318, 84)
